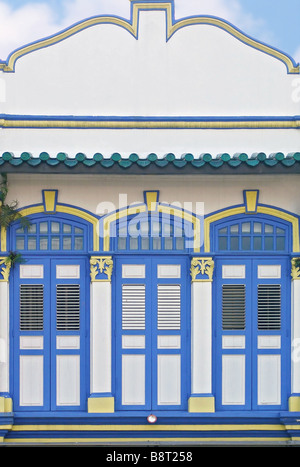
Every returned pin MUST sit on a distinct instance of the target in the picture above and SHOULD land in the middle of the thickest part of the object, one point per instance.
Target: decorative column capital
(101, 268)
(295, 271)
(202, 269)
(5, 267)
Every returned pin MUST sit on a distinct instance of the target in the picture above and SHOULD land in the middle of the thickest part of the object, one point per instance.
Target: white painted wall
(104, 71)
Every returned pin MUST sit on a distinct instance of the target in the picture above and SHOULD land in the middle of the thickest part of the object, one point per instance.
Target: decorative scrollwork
(202, 269)
(101, 266)
(295, 271)
(5, 267)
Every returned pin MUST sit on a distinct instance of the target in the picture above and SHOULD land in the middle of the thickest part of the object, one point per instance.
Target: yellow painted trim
(68, 210)
(294, 404)
(5, 405)
(3, 239)
(143, 440)
(151, 200)
(147, 124)
(132, 27)
(251, 200)
(101, 405)
(238, 427)
(204, 404)
(260, 210)
(49, 196)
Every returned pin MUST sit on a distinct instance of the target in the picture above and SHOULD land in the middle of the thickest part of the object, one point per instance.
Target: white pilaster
(101, 337)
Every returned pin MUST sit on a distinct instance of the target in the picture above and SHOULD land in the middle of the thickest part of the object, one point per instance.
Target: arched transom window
(252, 234)
(50, 235)
(153, 233)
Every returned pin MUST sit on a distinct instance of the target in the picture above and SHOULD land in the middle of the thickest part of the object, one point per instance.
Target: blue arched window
(51, 234)
(258, 234)
(153, 232)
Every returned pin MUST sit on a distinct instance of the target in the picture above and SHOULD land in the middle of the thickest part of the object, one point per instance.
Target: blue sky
(275, 22)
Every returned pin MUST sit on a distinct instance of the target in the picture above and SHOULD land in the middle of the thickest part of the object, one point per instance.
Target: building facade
(155, 295)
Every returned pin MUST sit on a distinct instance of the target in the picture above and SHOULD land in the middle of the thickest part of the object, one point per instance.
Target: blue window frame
(251, 234)
(51, 235)
(153, 232)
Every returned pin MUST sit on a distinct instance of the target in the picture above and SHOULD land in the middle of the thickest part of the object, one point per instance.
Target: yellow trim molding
(6, 405)
(205, 404)
(101, 405)
(133, 26)
(294, 404)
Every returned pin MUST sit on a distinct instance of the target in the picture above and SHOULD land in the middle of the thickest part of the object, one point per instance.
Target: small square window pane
(246, 243)
(168, 243)
(133, 243)
(43, 243)
(257, 227)
(78, 231)
(145, 243)
(122, 243)
(269, 229)
(20, 230)
(78, 243)
(123, 231)
(246, 227)
(67, 243)
(269, 243)
(167, 230)
(67, 228)
(144, 228)
(179, 243)
(179, 232)
(257, 243)
(223, 231)
(55, 243)
(156, 242)
(234, 243)
(280, 243)
(155, 228)
(20, 243)
(44, 227)
(31, 243)
(133, 229)
(55, 227)
(234, 228)
(280, 231)
(32, 229)
(223, 243)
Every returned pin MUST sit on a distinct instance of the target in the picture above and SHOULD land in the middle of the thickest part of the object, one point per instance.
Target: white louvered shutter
(31, 307)
(133, 306)
(269, 307)
(67, 307)
(233, 306)
(168, 306)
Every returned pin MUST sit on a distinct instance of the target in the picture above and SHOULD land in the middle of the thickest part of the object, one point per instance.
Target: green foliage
(9, 211)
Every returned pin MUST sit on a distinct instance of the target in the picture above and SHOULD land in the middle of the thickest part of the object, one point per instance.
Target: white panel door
(151, 333)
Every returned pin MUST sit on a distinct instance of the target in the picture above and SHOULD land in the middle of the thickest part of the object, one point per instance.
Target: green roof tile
(169, 163)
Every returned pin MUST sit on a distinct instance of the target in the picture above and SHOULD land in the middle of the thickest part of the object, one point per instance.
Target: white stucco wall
(102, 71)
